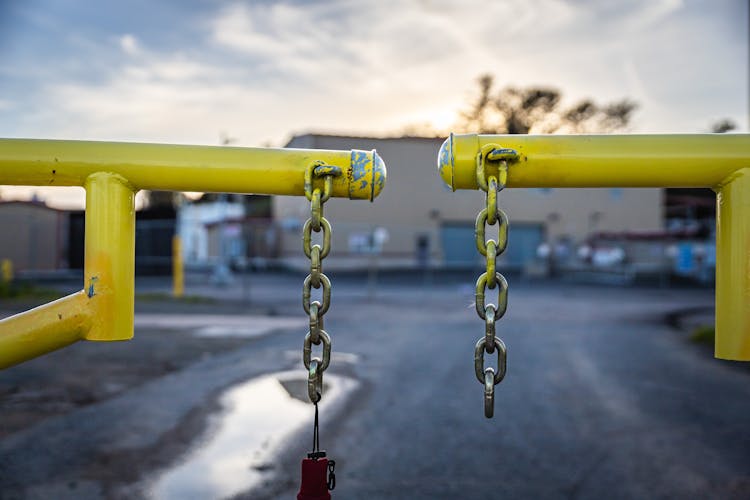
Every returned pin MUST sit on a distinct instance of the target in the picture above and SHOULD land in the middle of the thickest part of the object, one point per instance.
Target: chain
(491, 181)
(316, 279)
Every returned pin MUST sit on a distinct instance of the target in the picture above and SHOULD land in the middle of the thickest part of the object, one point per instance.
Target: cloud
(263, 69)
(274, 29)
(129, 44)
(165, 99)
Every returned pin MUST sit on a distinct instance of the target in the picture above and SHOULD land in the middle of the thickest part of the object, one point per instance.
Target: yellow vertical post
(178, 277)
(733, 267)
(7, 271)
(109, 263)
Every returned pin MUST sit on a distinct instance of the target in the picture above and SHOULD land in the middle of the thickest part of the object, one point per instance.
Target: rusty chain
(492, 174)
(316, 279)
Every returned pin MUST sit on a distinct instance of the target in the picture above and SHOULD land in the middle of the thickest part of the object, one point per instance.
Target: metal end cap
(445, 162)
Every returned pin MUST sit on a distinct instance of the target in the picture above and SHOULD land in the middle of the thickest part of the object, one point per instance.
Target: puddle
(246, 332)
(336, 357)
(239, 451)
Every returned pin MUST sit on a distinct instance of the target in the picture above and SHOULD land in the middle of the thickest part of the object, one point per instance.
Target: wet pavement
(215, 325)
(602, 400)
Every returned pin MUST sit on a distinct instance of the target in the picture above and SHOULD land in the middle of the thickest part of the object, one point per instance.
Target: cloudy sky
(186, 71)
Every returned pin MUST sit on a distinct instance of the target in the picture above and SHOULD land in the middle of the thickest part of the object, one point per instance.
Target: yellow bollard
(6, 269)
(178, 276)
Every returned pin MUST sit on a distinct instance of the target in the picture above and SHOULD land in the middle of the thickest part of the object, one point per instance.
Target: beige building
(34, 236)
(427, 223)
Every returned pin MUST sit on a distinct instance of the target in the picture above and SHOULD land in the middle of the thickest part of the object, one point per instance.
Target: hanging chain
(492, 174)
(316, 279)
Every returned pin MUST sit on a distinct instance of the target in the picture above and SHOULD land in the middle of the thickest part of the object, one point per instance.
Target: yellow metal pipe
(29, 162)
(178, 276)
(733, 267)
(44, 329)
(109, 261)
(601, 160)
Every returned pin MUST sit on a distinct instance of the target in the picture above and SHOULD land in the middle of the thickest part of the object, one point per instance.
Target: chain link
(502, 296)
(315, 309)
(492, 174)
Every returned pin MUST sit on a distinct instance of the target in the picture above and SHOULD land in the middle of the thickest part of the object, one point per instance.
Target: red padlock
(318, 473)
(315, 480)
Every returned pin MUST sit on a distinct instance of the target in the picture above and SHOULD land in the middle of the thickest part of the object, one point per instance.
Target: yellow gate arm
(112, 173)
(718, 161)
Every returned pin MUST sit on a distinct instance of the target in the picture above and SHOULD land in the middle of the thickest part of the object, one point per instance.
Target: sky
(194, 71)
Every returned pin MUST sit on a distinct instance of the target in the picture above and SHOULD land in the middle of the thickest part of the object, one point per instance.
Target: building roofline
(322, 135)
(31, 203)
(238, 220)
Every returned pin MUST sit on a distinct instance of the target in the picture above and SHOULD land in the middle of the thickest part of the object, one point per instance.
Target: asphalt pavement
(602, 399)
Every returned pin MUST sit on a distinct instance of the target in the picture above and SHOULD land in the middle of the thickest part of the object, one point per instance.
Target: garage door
(459, 248)
(523, 241)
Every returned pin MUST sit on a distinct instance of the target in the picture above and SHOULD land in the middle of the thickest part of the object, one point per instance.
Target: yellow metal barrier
(112, 173)
(721, 162)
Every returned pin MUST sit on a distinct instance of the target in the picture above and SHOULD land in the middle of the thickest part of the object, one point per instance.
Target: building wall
(415, 202)
(34, 236)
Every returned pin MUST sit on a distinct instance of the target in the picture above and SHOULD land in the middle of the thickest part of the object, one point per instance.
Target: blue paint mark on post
(91, 286)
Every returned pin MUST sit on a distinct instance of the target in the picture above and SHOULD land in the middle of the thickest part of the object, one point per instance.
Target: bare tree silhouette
(515, 110)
